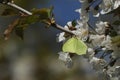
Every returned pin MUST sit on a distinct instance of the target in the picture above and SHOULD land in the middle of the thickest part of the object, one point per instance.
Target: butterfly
(75, 45)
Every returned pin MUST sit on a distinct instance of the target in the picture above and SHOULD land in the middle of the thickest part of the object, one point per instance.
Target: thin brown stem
(92, 28)
(57, 26)
(10, 28)
(19, 8)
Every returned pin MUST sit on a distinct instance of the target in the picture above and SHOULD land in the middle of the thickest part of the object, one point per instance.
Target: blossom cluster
(102, 38)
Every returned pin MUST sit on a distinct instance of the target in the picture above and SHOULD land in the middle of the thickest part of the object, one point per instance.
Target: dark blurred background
(35, 57)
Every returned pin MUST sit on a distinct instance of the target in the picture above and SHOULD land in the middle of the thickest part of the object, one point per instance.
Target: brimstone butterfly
(75, 45)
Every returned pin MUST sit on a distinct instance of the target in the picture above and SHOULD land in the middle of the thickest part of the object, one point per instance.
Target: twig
(92, 28)
(19, 8)
(62, 29)
(10, 29)
(29, 13)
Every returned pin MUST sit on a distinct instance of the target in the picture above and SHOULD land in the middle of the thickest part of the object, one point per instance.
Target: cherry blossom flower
(61, 37)
(116, 4)
(100, 27)
(63, 56)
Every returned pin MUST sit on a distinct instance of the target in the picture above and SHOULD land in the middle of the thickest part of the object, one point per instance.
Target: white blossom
(107, 42)
(64, 56)
(104, 42)
(94, 59)
(84, 15)
(82, 30)
(90, 51)
(117, 67)
(82, 1)
(69, 23)
(109, 5)
(116, 4)
(96, 40)
(100, 27)
(96, 15)
(94, 12)
(106, 6)
(98, 64)
(61, 37)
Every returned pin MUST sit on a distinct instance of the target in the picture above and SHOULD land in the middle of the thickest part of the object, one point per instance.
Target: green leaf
(7, 11)
(75, 45)
(19, 30)
(44, 13)
(29, 19)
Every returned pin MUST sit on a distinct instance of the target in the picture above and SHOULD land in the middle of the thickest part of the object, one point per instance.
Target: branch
(62, 29)
(19, 8)
(92, 28)
(10, 28)
(11, 3)
(29, 13)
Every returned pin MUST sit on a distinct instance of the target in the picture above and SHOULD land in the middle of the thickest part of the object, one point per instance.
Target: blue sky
(64, 10)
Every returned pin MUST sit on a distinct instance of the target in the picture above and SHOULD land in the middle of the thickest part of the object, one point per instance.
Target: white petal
(97, 15)
(105, 11)
(69, 63)
(82, 1)
(106, 6)
(117, 66)
(66, 27)
(61, 37)
(96, 40)
(90, 51)
(78, 10)
(107, 42)
(69, 23)
(94, 59)
(116, 4)
(80, 24)
(100, 27)
(63, 56)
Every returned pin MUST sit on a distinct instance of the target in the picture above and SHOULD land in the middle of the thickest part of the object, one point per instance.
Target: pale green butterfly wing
(69, 45)
(75, 45)
(81, 47)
